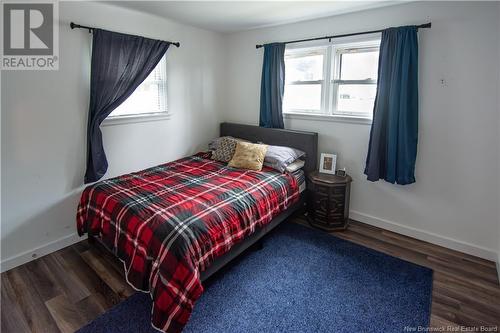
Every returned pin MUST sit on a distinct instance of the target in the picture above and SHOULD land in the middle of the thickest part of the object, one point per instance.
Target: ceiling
(232, 16)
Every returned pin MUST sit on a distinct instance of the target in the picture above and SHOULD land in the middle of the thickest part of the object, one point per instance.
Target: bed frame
(305, 141)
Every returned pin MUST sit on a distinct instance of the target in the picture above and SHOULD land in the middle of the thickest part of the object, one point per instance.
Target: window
(304, 80)
(333, 80)
(150, 98)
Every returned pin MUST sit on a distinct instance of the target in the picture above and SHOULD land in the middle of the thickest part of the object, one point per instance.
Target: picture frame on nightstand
(327, 163)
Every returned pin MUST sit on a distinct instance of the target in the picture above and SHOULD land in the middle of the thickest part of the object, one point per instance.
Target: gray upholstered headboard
(305, 141)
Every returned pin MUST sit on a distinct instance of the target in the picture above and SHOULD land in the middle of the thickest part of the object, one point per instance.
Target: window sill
(324, 117)
(137, 118)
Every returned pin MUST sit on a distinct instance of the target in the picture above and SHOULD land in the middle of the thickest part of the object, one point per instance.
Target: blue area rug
(303, 280)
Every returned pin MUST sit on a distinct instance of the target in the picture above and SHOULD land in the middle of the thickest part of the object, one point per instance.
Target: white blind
(150, 97)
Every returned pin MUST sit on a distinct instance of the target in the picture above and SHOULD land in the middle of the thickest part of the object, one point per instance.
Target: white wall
(455, 199)
(44, 116)
(498, 103)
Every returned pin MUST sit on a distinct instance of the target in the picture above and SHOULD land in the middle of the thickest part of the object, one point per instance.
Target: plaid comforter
(169, 222)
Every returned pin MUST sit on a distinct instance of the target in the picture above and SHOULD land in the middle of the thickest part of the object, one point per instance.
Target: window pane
(149, 97)
(359, 66)
(304, 68)
(356, 99)
(145, 99)
(304, 97)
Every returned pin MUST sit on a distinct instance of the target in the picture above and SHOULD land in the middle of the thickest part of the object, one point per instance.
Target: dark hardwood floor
(66, 289)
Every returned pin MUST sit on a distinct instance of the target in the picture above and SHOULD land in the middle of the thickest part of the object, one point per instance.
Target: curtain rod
(78, 26)
(426, 25)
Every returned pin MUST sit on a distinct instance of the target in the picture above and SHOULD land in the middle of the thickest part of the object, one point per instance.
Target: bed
(176, 224)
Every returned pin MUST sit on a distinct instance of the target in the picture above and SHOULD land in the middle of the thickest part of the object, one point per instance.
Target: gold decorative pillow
(248, 156)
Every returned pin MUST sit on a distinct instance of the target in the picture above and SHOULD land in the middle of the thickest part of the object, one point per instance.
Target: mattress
(169, 222)
(299, 175)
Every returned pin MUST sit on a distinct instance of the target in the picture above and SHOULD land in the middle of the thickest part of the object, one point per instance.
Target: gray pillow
(279, 157)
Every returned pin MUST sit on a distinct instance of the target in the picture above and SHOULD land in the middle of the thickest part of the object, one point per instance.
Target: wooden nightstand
(328, 201)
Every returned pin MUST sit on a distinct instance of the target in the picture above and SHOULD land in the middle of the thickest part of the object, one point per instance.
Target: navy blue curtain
(393, 138)
(120, 63)
(272, 86)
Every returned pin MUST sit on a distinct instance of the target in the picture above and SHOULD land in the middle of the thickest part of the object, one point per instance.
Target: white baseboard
(38, 252)
(426, 236)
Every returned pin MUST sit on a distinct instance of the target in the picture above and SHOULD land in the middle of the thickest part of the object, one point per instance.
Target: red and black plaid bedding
(169, 222)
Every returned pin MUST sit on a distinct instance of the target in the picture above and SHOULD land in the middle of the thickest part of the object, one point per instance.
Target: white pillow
(295, 165)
